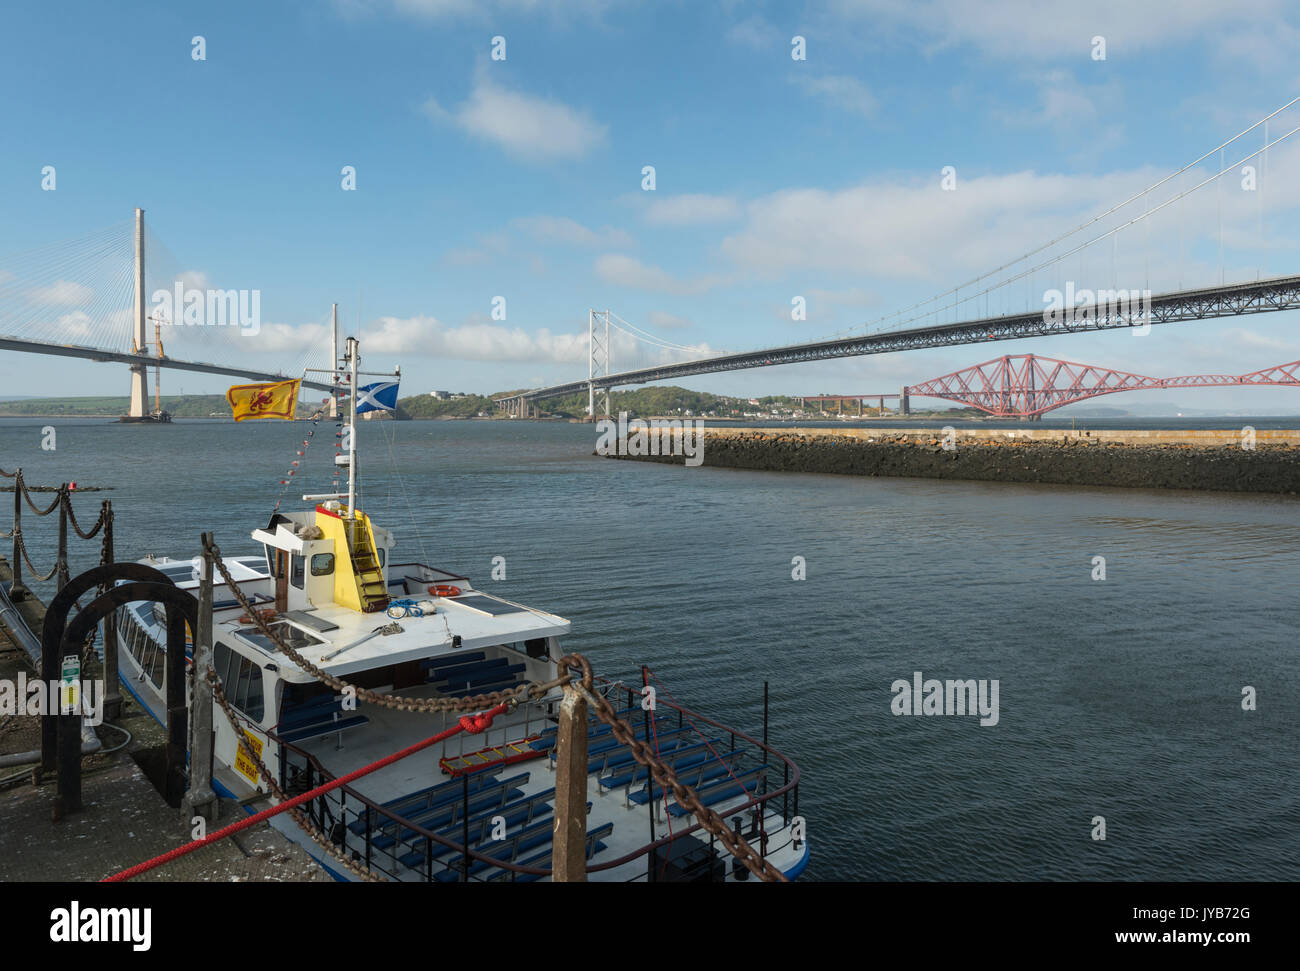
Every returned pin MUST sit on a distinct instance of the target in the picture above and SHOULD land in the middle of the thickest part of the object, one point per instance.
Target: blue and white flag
(380, 396)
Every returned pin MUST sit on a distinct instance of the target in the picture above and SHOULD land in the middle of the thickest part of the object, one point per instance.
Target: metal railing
(301, 771)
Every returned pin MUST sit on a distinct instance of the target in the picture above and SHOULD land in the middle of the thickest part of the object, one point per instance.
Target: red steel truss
(1026, 386)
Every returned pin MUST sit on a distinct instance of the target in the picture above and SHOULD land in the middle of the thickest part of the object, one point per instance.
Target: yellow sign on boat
(245, 766)
(277, 400)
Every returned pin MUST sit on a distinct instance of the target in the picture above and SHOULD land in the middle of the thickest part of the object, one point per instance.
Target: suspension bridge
(1174, 210)
(83, 299)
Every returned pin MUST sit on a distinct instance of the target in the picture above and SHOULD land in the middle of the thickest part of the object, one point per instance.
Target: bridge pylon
(139, 337)
(598, 361)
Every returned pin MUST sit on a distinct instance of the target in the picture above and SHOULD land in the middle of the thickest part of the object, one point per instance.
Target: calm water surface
(1118, 698)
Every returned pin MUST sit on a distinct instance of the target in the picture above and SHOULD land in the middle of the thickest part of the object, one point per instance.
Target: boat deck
(519, 797)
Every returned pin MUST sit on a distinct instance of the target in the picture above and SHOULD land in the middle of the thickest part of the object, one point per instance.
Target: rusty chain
(667, 778)
(301, 818)
(104, 514)
(21, 486)
(22, 549)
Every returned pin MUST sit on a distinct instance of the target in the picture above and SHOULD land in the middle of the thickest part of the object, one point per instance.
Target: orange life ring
(444, 590)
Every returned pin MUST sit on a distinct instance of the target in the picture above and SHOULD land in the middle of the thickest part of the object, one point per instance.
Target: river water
(1118, 698)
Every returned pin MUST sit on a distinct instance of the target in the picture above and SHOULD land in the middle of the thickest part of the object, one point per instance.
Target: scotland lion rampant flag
(380, 396)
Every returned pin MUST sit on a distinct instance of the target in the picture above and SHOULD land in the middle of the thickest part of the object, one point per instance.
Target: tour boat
(476, 807)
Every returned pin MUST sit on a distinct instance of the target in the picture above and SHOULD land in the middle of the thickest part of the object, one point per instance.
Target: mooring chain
(528, 691)
(299, 817)
(72, 517)
(667, 778)
(22, 548)
(21, 486)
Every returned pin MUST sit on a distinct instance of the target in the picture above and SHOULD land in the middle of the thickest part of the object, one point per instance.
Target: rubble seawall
(1227, 461)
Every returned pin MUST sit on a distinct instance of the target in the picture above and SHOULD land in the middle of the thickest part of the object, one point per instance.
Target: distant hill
(427, 406)
(638, 403)
(180, 406)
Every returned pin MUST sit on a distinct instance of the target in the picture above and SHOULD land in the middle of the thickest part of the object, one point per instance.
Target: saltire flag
(380, 396)
(276, 400)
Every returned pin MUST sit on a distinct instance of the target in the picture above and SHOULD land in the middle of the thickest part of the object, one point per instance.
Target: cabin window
(241, 680)
(295, 571)
(322, 564)
(380, 554)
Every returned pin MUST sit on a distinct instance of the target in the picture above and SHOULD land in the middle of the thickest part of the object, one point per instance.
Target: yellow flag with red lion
(276, 400)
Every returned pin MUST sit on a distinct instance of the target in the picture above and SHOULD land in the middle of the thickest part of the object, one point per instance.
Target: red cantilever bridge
(1027, 386)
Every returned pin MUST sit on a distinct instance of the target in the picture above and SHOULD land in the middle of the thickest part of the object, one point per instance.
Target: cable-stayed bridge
(87, 299)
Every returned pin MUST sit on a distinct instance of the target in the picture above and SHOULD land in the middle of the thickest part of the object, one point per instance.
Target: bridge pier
(904, 406)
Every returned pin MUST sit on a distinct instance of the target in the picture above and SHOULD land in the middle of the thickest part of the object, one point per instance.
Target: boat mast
(334, 362)
(353, 354)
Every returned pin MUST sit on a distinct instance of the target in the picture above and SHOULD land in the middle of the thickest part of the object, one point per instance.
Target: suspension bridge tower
(597, 361)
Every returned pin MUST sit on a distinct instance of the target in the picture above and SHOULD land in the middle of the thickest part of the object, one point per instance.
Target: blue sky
(522, 178)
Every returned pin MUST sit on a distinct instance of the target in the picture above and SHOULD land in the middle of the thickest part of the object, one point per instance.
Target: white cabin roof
(420, 637)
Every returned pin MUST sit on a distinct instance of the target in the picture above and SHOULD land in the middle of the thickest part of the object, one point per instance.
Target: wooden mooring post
(569, 848)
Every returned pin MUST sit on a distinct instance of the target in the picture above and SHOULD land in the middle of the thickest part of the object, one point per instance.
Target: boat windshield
(295, 637)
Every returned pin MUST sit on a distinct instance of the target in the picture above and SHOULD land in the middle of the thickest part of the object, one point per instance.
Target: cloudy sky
(500, 151)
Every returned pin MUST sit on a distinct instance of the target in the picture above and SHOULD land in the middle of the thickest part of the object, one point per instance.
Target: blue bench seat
(450, 660)
(336, 724)
(682, 757)
(487, 802)
(594, 845)
(437, 795)
(523, 813)
(695, 777)
(743, 784)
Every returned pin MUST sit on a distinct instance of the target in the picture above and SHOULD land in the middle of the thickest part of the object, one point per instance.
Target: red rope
(480, 722)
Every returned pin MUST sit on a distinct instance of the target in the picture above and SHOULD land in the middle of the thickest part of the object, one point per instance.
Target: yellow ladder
(371, 590)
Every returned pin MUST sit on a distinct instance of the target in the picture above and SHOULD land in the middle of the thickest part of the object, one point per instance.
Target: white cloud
(841, 90)
(527, 126)
(625, 271)
(912, 230)
(691, 210)
(75, 324)
(62, 293)
(660, 320)
(851, 297)
(560, 229)
(490, 246)
(754, 32)
(446, 9)
(429, 337)
(1053, 29)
